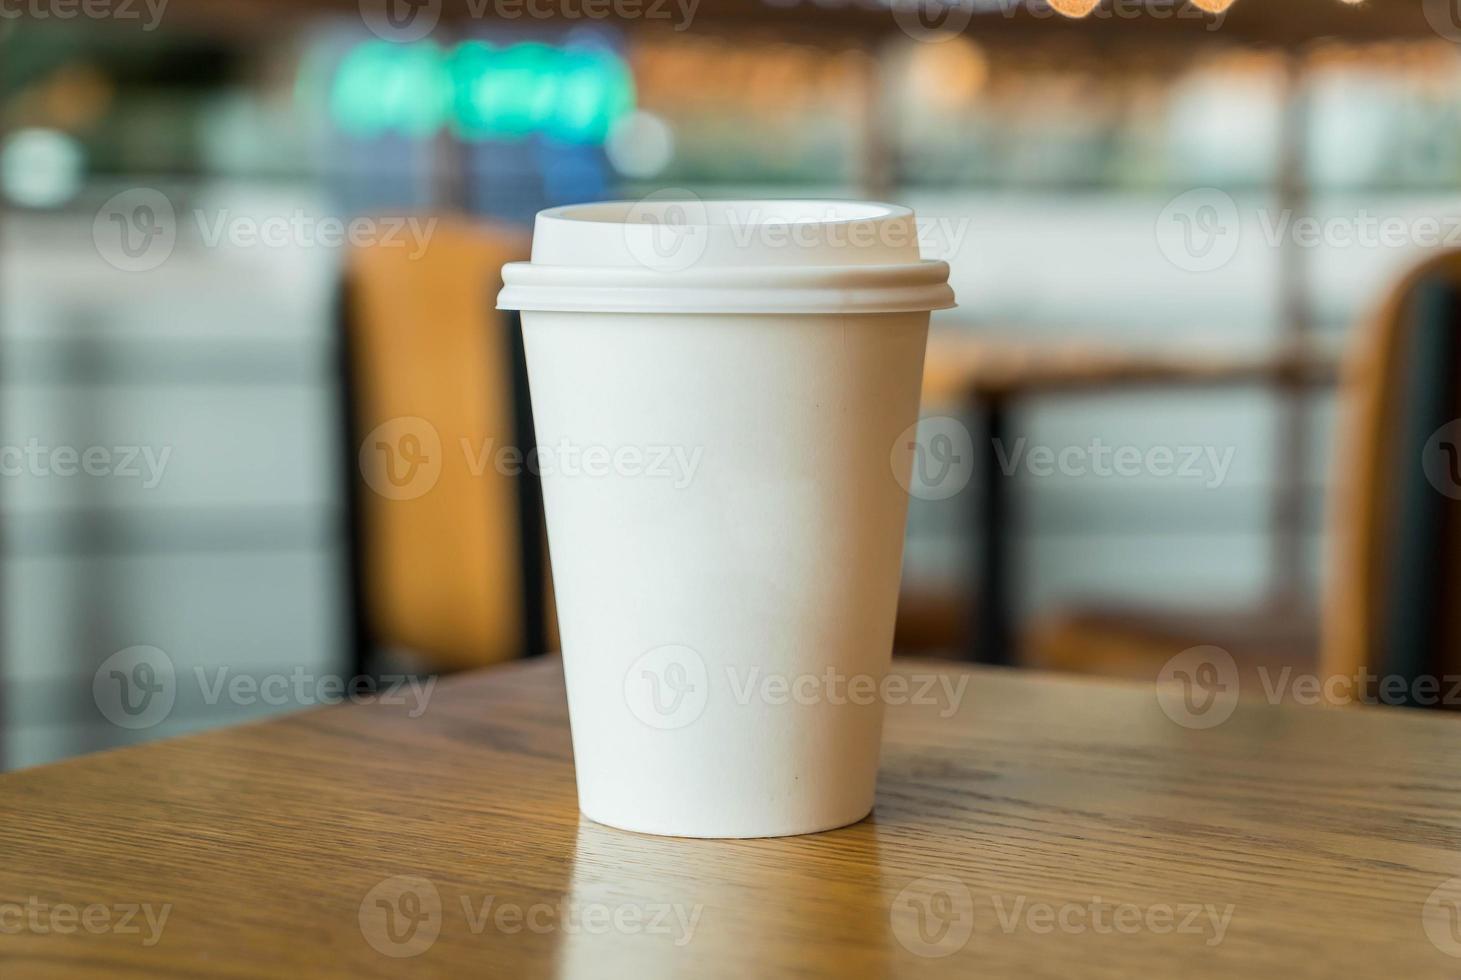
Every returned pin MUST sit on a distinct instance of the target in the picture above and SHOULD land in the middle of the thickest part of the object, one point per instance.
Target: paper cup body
(726, 499)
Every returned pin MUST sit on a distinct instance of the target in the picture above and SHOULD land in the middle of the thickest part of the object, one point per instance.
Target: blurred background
(1167, 227)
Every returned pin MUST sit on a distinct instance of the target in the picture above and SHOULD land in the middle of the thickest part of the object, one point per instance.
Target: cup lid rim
(763, 211)
(896, 288)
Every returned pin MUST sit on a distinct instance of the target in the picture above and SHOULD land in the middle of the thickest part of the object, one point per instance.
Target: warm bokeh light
(1082, 8)
(949, 74)
(1075, 8)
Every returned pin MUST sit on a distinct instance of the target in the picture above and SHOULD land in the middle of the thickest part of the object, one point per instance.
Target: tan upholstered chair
(445, 569)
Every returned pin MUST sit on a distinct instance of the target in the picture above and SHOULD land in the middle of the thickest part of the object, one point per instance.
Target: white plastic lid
(690, 256)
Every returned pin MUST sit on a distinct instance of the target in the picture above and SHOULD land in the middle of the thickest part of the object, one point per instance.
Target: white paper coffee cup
(717, 388)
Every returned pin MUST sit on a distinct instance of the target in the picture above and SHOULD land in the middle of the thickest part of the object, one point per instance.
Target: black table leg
(992, 636)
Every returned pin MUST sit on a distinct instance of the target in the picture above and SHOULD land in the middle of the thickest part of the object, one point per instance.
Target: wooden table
(958, 365)
(1049, 827)
(986, 378)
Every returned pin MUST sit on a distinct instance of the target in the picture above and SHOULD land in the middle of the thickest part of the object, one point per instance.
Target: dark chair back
(1397, 520)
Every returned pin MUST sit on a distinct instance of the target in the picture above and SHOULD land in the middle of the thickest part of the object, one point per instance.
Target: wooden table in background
(986, 377)
(1047, 827)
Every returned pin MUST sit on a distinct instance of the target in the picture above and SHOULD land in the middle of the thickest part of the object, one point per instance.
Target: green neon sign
(481, 91)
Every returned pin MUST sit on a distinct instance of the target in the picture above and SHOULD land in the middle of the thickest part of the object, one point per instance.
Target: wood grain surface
(960, 367)
(1033, 826)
